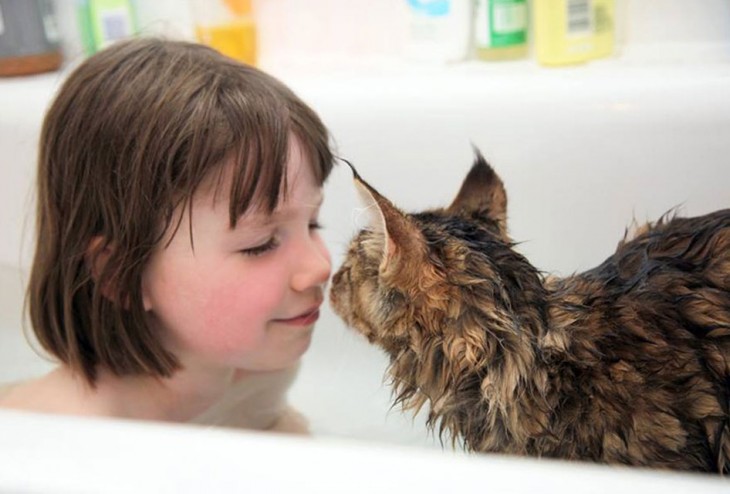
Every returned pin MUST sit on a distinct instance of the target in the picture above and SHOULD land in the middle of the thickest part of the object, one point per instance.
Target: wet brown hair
(132, 133)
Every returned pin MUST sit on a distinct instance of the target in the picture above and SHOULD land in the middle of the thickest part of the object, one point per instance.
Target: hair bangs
(258, 181)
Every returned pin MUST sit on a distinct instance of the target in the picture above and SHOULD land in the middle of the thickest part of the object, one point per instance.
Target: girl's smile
(305, 319)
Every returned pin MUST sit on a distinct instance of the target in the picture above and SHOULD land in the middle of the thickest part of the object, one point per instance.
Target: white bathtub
(581, 150)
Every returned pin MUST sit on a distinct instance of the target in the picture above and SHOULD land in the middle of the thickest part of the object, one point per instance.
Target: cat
(628, 363)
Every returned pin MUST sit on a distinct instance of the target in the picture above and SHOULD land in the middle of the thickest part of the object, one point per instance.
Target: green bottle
(500, 29)
(103, 22)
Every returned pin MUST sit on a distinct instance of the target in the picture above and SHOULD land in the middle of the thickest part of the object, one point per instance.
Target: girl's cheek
(244, 297)
(227, 324)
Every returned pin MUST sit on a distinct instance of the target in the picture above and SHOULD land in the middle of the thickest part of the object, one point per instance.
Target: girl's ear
(403, 245)
(97, 257)
(146, 301)
(482, 194)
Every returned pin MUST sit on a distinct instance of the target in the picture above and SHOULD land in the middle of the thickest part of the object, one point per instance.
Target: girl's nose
(313, 267)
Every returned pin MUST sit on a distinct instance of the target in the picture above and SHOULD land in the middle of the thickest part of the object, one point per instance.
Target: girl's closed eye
(258, 250)
(273, 242)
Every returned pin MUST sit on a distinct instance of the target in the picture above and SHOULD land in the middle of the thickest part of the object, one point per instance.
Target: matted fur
(626, 363)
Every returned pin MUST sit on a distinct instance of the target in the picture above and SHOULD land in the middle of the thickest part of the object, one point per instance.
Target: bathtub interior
(582, 151)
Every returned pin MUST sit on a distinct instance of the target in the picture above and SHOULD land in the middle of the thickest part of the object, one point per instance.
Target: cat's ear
(402, 242)
(482, 194)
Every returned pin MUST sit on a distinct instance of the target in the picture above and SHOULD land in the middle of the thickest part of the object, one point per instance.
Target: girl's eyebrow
(259, 220)
(292, 209)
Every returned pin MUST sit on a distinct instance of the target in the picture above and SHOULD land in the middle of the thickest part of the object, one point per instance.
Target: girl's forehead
(258, 220)
(218, 181)
(302, 188)
(303, 193)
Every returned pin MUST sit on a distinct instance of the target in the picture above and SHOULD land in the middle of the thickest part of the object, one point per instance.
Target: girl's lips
(306, 319)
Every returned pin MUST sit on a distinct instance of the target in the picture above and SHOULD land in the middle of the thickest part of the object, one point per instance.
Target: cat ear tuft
(482, 193)
(402, 240)
(352, 168)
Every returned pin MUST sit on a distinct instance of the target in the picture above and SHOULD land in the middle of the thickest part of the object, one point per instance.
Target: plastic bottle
(573, 31)
(438, 30)
(28, 37)
(228, 26)
(500, 29)
(103, 22)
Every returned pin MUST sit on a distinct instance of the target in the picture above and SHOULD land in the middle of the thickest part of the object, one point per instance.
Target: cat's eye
(269, 245)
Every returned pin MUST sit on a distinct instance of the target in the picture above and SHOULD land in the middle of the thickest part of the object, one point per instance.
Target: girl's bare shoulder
(54, 392)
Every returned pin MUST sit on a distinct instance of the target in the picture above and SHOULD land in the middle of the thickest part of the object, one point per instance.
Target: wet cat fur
(626, 363)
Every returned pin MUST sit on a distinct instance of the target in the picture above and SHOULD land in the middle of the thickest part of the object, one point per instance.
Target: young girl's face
(246, 297)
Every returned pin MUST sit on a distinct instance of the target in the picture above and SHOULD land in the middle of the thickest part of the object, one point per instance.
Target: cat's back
(668, 287)
(671, 281)
(673, 255)
(649, 342)
(699, 245)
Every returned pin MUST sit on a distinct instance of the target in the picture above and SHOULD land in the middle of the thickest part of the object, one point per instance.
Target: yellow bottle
(228, 26)
(573, 31)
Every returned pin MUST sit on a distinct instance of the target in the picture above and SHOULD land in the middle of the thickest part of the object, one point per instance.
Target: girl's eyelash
(270, 244)
(273, 243)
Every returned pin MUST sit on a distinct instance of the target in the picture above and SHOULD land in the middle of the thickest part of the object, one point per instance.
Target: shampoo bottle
(103, 22)
(573, 31)
(500, 29)
(28, 37)
(228, 26)
(437, 30)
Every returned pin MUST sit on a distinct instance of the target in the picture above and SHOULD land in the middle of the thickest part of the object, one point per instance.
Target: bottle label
(579, 15)
(603, 19)
(430, 8)
(115, 24)
(49, 22)
(500, 23)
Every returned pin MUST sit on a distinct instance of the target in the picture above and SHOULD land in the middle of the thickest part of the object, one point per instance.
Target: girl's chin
(291, 355)
(301, 346)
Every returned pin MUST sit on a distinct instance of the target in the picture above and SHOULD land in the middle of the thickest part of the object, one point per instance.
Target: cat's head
(439, 286)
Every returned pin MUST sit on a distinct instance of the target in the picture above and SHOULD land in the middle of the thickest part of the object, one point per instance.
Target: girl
(178, 270)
